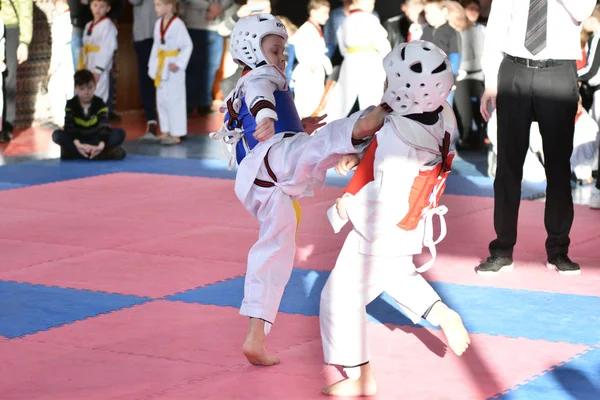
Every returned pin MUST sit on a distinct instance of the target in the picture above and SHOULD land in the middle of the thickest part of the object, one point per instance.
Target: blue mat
(27, 308)
(533, 315)
(576, 379)
(465, 178)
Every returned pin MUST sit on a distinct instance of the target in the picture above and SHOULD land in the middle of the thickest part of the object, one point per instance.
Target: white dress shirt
(507, 27)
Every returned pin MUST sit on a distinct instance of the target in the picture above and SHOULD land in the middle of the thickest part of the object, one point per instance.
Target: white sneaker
(595, 200)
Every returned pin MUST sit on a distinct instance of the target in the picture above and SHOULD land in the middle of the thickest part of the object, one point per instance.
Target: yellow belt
(162, 55)
(298, 211)
(361, 49)
(87, 48)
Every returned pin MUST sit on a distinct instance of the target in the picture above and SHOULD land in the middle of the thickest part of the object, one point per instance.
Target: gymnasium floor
(122, 280)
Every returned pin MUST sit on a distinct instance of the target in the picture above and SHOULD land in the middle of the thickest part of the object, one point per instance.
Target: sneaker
(563, 265)
(116, 153)
(494, 265)
(595, 199)
(5, 136)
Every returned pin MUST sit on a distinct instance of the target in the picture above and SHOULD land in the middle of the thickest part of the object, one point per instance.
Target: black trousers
(548, 95)
(68, 151)
(9, 112)
(467, 110)
(143, 48)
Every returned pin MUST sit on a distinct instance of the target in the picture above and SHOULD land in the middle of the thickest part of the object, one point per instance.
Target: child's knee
(57, 137)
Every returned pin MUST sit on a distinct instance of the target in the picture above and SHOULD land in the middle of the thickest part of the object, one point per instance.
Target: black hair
(83, 77)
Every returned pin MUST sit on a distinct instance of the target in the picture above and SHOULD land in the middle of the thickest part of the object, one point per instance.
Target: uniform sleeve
(260, 98)
(108, 47)
(496, 31)
(381, 204)
(579, 10)
(70, 128)
(185, 46)
(104, 128)
(25, 15)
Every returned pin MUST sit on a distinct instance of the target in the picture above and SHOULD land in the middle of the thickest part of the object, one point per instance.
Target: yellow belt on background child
(266, 184)
(162, 55)
(87, 48)
(367, 48)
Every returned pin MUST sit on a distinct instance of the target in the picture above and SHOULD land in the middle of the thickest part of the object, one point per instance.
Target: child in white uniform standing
(363, 42)
(169, 58)
(313, 63)
(60, 83)
(391, 201)
(99, 46)
(279, 162)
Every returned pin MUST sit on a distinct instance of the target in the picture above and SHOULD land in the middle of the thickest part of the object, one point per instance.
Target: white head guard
(247, 35)
(419, 76)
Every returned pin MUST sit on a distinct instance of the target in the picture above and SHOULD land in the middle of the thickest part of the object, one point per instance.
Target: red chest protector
(426, 190)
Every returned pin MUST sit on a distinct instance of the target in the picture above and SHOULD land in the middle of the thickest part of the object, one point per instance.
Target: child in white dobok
(391, 201)
(99, 46)
(168, 61)
(278, 163)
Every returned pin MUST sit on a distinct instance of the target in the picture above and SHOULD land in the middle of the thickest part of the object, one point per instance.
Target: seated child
(87, 132)
(391, 201)
(287, 164)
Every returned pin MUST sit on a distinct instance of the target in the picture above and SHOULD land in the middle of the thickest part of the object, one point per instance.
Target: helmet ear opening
(417, 67)
(441, 68)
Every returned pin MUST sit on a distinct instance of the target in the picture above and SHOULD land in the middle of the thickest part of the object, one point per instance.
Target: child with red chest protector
(391, 201)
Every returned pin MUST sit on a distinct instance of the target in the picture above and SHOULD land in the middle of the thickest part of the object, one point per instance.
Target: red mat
(116, 271)
(203, 343)
(121, 213)
(155, 235)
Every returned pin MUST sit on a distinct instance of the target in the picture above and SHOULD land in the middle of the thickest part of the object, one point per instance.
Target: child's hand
(370, 124)
(173, 67)
(82, 148)
(96, 77)
(311, 124)
(346, 163)
(341, 206)
(95, 150)
(265, 130)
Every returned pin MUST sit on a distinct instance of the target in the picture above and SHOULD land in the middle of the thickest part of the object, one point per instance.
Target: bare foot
(363, 386)
(254, 346)
(452, 326)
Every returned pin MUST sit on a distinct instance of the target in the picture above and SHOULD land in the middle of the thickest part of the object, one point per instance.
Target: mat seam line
(533, 378)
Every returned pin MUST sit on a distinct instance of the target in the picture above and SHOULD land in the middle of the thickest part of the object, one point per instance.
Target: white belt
(229, 138)
(428, 239)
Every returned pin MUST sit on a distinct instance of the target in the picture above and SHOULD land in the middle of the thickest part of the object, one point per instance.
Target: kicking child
(391, 201)
(279, 162)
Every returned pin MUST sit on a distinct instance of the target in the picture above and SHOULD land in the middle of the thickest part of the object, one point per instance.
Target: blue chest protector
(288, 121)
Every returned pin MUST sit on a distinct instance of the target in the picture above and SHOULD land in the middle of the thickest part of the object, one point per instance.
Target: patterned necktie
(535, 38)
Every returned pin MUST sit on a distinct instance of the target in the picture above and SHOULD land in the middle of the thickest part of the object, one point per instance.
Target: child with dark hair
(87, 132)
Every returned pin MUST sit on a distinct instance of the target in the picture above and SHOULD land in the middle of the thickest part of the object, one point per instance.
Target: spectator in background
(469, 82)
(80, 16)
(18, 22)
(203, 18)
(530, 74)
(442, 34)
(144, 18)
(313, 63)
(408, 25)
